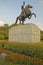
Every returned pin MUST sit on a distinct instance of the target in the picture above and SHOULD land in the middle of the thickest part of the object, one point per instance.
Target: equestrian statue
(26, 13)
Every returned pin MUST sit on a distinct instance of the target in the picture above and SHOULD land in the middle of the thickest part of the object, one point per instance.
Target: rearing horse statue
(26, 13)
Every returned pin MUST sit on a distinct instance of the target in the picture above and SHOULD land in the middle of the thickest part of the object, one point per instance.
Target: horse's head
(29, 6)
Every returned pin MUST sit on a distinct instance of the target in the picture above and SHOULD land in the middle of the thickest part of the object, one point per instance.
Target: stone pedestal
(24, 33)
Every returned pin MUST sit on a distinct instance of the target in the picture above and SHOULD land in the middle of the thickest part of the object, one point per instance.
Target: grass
(2, 62)
(28, 49)
(31, 49)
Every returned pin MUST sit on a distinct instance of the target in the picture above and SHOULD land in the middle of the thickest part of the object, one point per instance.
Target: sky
(10, 9)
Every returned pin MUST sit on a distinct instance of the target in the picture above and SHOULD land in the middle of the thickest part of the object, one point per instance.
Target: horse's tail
(34, 14)
(16, 20)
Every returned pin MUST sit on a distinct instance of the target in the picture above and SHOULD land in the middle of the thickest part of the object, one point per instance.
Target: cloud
(2, 23)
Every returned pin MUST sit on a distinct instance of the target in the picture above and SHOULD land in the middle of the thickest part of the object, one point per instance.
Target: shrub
(2, 37)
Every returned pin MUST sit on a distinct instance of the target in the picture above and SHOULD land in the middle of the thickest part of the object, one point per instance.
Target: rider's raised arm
(23, 5)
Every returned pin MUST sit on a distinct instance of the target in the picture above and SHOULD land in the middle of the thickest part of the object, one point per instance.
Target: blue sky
(10, 9)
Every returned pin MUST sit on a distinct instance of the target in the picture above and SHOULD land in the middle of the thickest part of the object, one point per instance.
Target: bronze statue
(26, 13)
(22, 7)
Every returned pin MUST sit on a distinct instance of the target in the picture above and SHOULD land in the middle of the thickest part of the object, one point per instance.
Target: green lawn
(28, 49)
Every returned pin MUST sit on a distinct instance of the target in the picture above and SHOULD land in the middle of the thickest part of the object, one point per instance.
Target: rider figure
(22, 8)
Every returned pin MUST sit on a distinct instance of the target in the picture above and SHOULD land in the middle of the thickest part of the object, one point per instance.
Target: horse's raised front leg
(34, 14)
(16, 20)
(29, 17)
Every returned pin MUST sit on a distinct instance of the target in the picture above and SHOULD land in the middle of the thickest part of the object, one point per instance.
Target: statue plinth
(24, 33)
